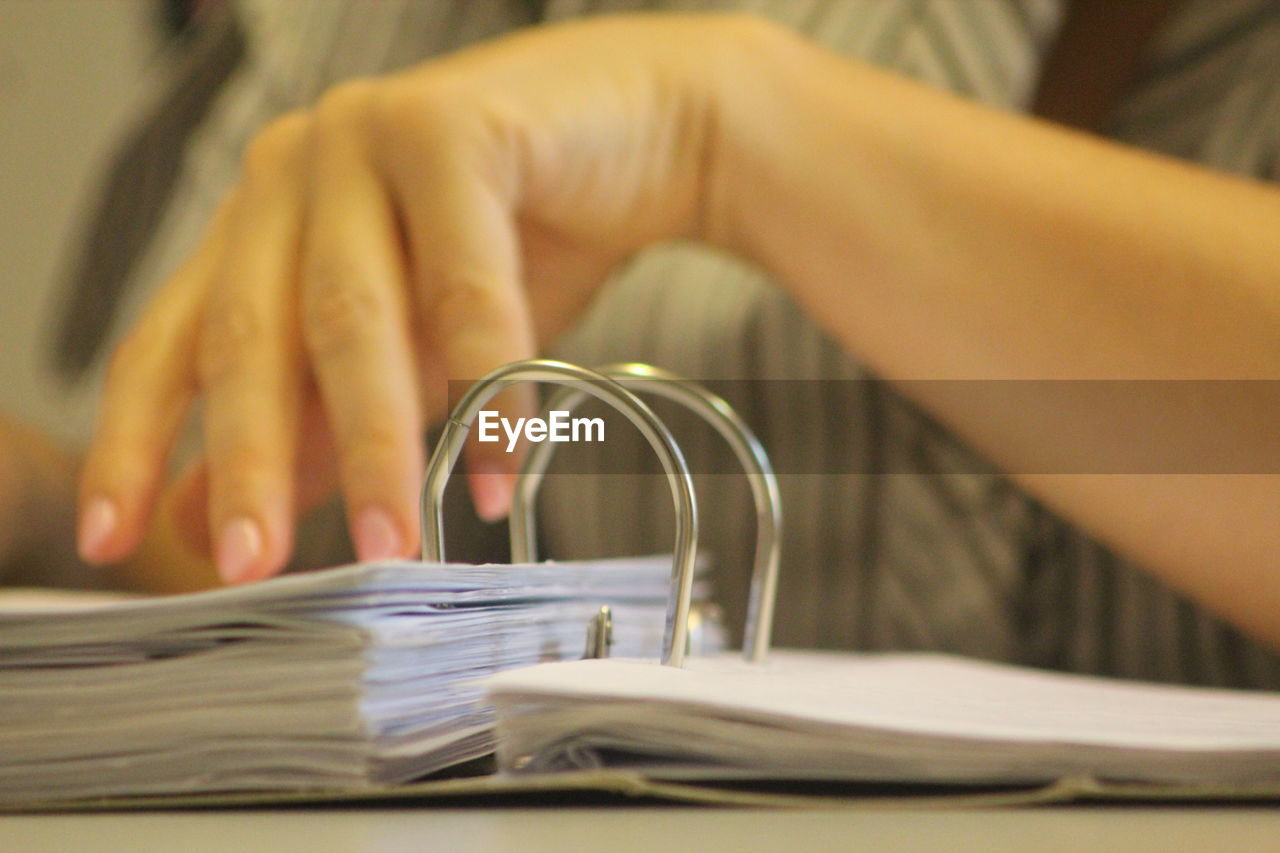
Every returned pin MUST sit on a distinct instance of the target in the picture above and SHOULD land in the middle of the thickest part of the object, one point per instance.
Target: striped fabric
(941, 558)
(1212, 90)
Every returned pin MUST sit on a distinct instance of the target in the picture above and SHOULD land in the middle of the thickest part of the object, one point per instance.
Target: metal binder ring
(590, 382)
(755, 462)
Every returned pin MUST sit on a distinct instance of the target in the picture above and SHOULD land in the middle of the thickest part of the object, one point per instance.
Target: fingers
(149, 386)
(370, 270)
(356, 325)
(464, 258)
(317, 479)
(250, 362)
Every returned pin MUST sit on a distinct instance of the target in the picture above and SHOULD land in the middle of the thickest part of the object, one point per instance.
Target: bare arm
(938, 239)
(440, 222)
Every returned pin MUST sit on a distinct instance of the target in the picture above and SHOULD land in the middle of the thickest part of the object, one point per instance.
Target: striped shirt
(938, 550)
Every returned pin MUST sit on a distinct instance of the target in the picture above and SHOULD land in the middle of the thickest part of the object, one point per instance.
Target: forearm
(890, 208)
(936, 239)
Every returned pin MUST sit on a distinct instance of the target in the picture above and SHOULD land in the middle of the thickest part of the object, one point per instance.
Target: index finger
(150, 383)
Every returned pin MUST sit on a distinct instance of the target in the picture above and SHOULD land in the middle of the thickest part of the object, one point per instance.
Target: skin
(443, 221)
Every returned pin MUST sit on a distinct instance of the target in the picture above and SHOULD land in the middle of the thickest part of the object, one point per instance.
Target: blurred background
(72, 74)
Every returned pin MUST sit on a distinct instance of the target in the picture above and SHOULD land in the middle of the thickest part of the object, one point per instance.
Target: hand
(408, 230)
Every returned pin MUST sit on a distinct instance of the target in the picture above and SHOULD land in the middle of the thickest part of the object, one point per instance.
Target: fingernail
(376, 536)
(239, 548)
(97, 523)
(491, 485)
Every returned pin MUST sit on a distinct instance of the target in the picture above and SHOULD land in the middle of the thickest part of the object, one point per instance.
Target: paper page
(343, 678)
(24, 600)
(933, 695)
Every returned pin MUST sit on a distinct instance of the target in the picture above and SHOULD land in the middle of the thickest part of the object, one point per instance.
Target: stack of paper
(348, 678)
(899, 718)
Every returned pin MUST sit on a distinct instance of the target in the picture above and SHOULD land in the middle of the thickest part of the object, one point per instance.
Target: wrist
(738, 88)
(802, 175)
(765, 134)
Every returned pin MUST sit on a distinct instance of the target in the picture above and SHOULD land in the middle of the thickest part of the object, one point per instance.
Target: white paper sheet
(346, 678)
(901, 717)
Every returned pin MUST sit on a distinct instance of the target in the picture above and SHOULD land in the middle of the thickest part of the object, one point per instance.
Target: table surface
(652, 829)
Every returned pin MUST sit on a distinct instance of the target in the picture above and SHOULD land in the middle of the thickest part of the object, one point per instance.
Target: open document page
(887, 717)
(342, 679)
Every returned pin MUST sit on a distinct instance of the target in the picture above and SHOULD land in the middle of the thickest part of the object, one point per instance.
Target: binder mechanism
(616, 385)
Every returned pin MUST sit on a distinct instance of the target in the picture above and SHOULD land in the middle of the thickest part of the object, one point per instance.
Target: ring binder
(602, 387)
(742, 441)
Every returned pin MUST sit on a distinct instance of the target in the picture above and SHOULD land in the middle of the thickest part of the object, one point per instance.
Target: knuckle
(275, 146)
(245, 471)
(127, 360)
(339, 311)
(372, 451)
(349, 98)
(449, 123)
(137, 359)
(248, 462)
(230, 339)
(461, 297)
(436, 106)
